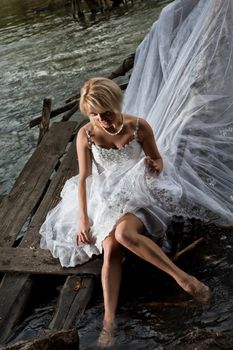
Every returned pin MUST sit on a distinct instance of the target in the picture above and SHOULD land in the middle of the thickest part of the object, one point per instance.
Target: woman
(124, 195)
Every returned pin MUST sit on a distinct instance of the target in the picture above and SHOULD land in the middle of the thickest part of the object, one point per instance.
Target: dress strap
(89, 138)
(136, 129)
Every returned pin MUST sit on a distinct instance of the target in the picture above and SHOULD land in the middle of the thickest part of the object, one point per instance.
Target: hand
(83, 235)
(154, 165)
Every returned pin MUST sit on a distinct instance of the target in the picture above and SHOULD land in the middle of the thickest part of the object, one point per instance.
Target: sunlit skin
(129, 230)
(106, 119)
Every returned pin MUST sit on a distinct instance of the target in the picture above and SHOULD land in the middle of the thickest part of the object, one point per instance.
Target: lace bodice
(126, 156)
(107, 157)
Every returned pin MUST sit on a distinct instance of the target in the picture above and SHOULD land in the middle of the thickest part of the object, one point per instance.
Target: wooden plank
(45, 118)
(72, 302)
(65, 301)
(67, 169)
(31, 184)
(63, 340)
(80, 302)
(40, 261)
(53, 113)
(49, 151)
(14, 294)
(189, 248)
(69, 114)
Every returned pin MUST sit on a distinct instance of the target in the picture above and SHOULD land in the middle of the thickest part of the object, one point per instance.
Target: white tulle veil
(182, 84)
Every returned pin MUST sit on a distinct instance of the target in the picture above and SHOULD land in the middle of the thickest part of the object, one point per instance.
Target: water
(48, 54)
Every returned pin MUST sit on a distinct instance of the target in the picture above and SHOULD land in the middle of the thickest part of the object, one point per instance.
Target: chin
(106, 124)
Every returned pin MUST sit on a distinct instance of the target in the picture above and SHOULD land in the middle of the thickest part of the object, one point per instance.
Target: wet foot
(198, 290)
(107, 337)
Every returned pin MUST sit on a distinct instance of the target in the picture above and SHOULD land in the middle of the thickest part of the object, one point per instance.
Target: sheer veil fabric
(182, 84)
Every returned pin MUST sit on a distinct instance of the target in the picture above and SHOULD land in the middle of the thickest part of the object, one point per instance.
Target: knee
(112, 251)
(125, 237)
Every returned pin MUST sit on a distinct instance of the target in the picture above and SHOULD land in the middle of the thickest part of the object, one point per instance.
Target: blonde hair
(100, 95)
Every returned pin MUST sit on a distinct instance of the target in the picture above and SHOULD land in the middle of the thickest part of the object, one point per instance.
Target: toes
(107, 337)
(198, 290)
(204, 294)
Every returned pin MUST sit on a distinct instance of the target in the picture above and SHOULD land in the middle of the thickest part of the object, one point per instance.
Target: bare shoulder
(144, 127)
(87, 128)
(131, 120)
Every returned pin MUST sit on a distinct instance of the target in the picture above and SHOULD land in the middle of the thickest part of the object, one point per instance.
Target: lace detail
(110, 157)
(166, 191)
(106, 157)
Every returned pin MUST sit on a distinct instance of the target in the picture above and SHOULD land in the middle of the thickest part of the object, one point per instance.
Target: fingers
(151, 165)
(83, 237)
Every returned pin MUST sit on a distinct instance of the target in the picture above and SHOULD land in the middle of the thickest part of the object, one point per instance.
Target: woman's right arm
(85, 170)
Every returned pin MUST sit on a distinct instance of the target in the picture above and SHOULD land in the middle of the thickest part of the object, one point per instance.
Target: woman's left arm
(153, 158)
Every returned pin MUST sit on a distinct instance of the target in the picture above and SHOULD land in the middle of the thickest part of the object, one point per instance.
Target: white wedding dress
(120, 185)
(182, 84)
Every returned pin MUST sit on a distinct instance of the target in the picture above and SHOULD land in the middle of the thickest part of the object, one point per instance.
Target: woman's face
(106, 119)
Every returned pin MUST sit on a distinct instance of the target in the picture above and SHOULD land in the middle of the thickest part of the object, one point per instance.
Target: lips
(105, 122)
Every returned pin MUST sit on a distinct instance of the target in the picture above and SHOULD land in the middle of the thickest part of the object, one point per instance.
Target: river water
(48, 54)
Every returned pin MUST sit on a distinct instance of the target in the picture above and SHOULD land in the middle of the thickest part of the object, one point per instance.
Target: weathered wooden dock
(22, 212)
(35, 192)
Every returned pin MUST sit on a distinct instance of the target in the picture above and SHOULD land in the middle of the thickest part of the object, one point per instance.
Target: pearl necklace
(118, 131)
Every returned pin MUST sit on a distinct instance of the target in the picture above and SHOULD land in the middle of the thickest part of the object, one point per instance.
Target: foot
(199, 291)
(107, 336)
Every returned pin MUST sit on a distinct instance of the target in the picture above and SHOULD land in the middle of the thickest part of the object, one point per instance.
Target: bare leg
(111, 279)
(111, 276)
(128, 233)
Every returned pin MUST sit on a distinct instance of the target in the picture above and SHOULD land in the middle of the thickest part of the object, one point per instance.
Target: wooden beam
(80, 302)
(54, 113)
(31, 183)
(65, 301)
(45, 118)
(14, 294)
(63, 340)
(40, 261)
(188, 249)
(14, 210)
(73, 300)
(69, 114)
(67, 169)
